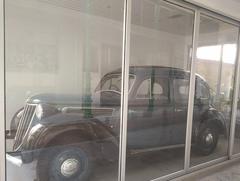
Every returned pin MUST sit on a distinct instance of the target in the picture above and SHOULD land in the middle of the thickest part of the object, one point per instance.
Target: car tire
(207, 139)
(68, 163)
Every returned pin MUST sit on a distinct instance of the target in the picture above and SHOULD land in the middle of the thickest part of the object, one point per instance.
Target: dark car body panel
(151, 122)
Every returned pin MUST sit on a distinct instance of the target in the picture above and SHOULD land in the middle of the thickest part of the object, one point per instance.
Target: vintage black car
(66, 134)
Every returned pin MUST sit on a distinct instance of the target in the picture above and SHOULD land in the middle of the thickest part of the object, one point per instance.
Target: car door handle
(178, 110)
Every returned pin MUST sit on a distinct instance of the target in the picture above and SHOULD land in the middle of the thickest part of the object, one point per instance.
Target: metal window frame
(217, 17)
(205, 10)
(191, 92)
(199, 11)
(235, 156)
(124, 90)
(235, 102)
(2, 92)
(171, 176)
(212, 10)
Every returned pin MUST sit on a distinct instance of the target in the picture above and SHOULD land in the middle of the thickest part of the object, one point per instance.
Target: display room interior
(103, 90)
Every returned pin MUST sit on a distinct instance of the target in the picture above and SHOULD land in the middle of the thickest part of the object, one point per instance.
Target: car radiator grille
(24, 124)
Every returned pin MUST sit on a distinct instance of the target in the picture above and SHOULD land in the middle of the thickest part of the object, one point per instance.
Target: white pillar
(2, 95)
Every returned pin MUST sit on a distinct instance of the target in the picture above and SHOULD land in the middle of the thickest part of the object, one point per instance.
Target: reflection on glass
(63, 82)
(216, 57)
(213, 53)
(236, 147)
(161, 40)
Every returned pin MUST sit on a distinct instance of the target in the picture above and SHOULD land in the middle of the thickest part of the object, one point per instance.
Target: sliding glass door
(63, 89)
(160, 45)
(215, 66)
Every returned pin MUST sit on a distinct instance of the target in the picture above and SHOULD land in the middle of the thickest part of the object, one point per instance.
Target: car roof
(153, 70)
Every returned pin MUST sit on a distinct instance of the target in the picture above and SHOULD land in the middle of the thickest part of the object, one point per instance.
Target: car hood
(73, 99)
(59, 99)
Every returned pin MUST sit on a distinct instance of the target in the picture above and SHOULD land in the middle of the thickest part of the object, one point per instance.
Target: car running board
(137, 151)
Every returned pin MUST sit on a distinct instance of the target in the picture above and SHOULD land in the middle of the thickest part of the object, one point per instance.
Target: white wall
(47, 47)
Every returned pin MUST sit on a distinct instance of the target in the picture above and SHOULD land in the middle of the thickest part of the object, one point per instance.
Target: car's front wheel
(207, 139)
(64, 164)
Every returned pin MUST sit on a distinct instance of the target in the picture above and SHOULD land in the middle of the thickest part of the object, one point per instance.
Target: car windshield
(113, 83)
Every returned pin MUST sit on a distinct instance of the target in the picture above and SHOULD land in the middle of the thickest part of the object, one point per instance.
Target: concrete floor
(228, 173)
(222, 172)
(138, 168)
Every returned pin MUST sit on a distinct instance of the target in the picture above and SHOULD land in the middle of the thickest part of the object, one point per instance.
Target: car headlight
(34, 133)
(43, 111)
(35, 129)
(39, 111)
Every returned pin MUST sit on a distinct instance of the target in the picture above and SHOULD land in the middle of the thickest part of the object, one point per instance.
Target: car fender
(66, 123)
(212, 116)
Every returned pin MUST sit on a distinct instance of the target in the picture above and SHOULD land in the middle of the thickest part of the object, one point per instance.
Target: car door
(150, 113)
(201, 102)
(181, 95)
(179, 123)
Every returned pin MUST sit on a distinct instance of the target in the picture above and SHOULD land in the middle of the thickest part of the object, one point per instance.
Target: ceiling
(151, 14)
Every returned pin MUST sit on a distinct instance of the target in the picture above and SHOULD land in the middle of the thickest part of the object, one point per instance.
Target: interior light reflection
(213, 53)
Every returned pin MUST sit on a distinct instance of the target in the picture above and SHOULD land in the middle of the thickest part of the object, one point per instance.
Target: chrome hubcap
(69, 167)
(209, 139)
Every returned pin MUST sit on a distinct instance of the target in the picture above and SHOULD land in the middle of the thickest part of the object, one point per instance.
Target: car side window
(201, 91)
(161, 90)
(113, 83)
(181, 90)
(143, 91)
(157, 89)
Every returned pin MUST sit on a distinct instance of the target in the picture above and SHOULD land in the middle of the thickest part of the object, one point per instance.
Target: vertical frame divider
(219, 78)
(2, 91)
(191, 92)
(124, 89)
(235, 101)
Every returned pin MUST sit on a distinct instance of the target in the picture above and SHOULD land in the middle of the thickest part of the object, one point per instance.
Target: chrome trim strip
(191, 92)
(235, 101)
(64, 109)
(137, 151)
(21, 134)
(124, 91)
(100, 91)
(14, 160)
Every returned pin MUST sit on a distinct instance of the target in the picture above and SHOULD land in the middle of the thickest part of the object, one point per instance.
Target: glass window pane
(63, 88)
(215, 66)
(144, 89)
(181, 89)
(160, 45)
